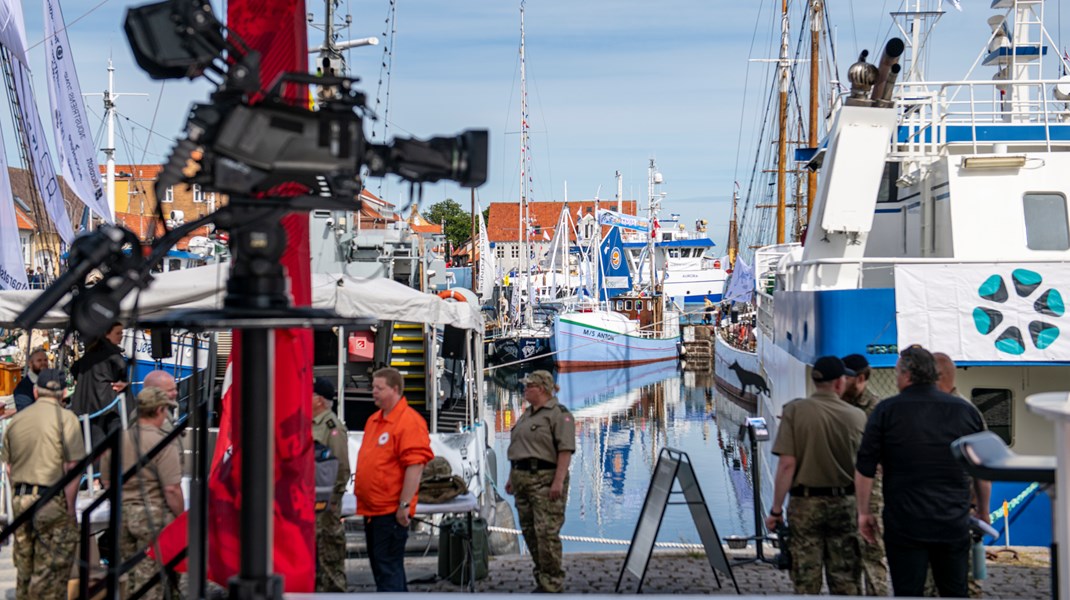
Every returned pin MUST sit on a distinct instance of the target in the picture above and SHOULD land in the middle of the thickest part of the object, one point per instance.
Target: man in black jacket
(926, 493)
(35, 363)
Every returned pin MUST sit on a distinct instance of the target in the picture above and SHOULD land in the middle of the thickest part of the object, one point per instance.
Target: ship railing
(875, 271)
(978, 114)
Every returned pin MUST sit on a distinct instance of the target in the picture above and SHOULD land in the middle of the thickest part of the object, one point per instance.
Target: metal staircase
(408, 354)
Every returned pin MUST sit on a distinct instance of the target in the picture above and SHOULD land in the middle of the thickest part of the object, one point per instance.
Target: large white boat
(940, 219)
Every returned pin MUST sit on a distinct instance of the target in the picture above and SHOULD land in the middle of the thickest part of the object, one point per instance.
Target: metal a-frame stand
(673, 466)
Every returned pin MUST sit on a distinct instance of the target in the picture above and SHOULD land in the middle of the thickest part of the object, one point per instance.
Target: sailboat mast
(782, 141)
(733, 233)
(109, 152)
(472, 244)
(524, 242)
(815, 66)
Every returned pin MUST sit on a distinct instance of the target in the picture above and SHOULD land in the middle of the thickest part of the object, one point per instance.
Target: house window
(169, 196)
(211, 198)
(499, 251)
(996, 407)
(515, 248)
(198, 195)
(1045, 221)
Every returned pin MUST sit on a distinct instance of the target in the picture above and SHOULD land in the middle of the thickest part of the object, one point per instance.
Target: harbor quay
(1021, 574)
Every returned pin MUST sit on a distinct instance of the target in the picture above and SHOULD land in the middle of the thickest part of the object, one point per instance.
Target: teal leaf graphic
(994, 289)
(1050, 303)
(1025, 281)
(1011, 342)
(986, 319)
(1043, 334)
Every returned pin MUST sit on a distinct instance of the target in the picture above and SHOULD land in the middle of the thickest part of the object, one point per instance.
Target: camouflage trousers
(874, 558)
(541, 520)
(330, 551)
(44, 549)
(824, 542)
(141, 526)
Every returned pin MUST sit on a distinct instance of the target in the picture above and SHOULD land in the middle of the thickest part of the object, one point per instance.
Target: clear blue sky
(610, 85)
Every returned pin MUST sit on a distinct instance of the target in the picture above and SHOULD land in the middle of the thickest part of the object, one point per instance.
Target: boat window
(997, 409)
(620, 304)
(650, 305)
(627, 305)
(674, 254)
(1046, 226)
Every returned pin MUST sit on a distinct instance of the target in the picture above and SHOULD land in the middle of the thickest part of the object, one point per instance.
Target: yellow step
(407, 351)
(408, 326)
(407, 362)
(408, 338)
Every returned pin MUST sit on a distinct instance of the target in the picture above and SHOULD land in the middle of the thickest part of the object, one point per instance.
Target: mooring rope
(594, 540)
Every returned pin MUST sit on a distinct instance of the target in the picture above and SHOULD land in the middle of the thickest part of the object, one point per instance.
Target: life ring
(452, 295)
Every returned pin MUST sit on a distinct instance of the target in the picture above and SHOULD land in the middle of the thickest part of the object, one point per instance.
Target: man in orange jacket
(395, 448)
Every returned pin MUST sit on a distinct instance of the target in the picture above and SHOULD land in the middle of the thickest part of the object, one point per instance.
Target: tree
(457, 221)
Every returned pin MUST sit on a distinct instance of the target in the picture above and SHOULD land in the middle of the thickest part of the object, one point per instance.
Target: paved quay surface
(686, 573)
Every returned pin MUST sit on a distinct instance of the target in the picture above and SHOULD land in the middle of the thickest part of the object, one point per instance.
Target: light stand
(256, 304)
(756, 429)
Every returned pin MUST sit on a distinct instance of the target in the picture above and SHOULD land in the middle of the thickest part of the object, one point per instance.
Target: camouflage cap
(541, 379)
(52, 379)
(151, 397)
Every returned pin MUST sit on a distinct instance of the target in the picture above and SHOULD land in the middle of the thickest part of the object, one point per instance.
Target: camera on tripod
(249, 142)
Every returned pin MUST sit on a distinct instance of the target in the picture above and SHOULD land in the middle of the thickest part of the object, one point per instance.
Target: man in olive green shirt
(42, 442)
(816, 443)
(874, 561)
(329, 431)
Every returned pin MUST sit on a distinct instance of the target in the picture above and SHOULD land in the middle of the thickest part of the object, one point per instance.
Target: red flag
(276, 28)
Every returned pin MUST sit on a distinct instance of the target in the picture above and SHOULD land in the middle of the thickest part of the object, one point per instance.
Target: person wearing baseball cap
(816, 445)
(874, 562)
(329, 431)
(41, 443)
(541, 445)
(154, 498)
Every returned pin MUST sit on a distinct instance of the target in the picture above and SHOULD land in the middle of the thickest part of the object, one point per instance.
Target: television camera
(266, 149)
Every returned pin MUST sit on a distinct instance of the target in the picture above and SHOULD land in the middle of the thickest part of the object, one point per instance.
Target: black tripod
(756, 430)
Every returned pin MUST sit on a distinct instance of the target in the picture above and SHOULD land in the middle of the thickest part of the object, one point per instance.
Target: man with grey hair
(927, 493)
(36, 362)
(41, 444)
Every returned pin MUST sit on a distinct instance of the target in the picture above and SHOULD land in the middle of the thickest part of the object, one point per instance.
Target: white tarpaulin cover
(992, 312)
(203, 288)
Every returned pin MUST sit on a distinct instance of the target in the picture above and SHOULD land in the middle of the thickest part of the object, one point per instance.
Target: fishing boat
(631, 323)
(915, 180)
(683, 265)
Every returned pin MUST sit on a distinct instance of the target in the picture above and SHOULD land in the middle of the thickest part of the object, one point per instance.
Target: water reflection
(624, 417)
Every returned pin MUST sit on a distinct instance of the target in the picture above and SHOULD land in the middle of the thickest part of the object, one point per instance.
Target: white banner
(741, 286)
(993, 312)
(12, 267)
(74, 141)
(616, 219)
(40, 156)
(13, 29)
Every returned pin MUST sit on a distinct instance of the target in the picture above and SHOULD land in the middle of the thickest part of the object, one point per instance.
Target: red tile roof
(23, 219)
(421, 225)
(503, 223)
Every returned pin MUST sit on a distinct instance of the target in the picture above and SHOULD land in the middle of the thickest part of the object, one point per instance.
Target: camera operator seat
(985, 456)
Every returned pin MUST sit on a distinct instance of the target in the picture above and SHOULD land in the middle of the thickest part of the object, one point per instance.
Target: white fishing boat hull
(603, 339)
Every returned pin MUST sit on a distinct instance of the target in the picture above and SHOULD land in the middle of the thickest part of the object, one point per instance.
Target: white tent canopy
(204, 287)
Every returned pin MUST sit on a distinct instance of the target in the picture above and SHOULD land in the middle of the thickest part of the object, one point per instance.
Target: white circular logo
(383, 438)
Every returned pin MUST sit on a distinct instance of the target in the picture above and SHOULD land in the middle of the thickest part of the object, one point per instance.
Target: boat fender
(452, 295)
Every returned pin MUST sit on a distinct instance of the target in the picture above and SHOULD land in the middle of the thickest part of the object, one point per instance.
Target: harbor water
(624, 417)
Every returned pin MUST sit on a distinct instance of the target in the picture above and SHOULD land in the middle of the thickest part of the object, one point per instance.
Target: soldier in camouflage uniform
(41, 443)
(153, 497)
(874, 562)
(816, 445)
(540, 449)
(330, 533)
